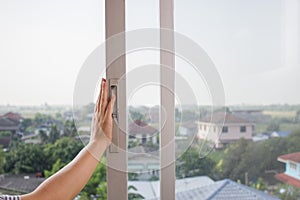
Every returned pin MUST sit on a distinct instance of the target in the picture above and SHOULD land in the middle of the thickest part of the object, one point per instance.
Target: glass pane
(255, 48)
(143, 99)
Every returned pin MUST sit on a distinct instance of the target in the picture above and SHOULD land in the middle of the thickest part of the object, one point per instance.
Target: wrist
(96, 148)
(101, 140)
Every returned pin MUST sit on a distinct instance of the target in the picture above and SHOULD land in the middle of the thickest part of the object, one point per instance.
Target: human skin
(70, 180)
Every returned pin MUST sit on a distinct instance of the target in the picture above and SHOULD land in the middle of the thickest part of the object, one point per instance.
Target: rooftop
(20, 183)
(7, 124)
(140, 127)
(224, 189)
(290, 157)
(226, 118)
(201, 188)
(288, 179)
(13, 116)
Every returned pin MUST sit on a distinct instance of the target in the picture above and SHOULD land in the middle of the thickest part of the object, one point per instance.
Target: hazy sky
(254, 44)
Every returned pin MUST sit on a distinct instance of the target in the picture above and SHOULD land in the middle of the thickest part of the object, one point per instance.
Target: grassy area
(289, 127)
(281, 114)
(262, 128)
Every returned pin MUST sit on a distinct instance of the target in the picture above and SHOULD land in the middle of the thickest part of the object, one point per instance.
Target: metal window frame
(117, 159)
(167, 82)
(115, 23)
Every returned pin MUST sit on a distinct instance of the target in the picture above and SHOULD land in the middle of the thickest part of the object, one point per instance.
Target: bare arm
(70, 180)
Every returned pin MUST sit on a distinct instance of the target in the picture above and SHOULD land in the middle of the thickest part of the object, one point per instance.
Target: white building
(224, 128)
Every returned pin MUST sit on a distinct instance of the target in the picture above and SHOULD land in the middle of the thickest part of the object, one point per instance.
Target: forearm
(71, 179)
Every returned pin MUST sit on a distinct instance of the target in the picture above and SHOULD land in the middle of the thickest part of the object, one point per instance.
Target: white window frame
(117, 180)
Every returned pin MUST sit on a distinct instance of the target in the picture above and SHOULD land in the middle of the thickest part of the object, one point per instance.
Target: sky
(254, 45)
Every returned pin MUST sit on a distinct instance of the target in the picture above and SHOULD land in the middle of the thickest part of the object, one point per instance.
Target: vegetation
(237, 161)
(191, 164)
(32, 158)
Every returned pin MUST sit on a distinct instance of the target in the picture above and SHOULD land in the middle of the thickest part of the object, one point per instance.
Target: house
(291, 175)
(19, 184)
(145, 165)
(187, 128)
(224, 128)
(8, 128)
(32, 138)
(202, 188)
(142, 133)
(8, 125)
(13, 116)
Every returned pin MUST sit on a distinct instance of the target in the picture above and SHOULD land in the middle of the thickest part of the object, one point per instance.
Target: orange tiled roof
(292, 157)
(139, 127)
(288, 179)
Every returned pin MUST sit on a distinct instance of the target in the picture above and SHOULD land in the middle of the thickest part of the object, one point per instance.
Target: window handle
(114, 147)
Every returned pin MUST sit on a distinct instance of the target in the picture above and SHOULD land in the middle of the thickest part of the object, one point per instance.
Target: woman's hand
(102, 120)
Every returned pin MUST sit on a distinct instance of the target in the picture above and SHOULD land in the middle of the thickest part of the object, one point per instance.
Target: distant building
(142, 133)
(8, 125)
(291, 175)
(32, 139)
(224, 128)
(19, 183)
(187, 128)
(146, 165)
(13, 116)
(252, 115)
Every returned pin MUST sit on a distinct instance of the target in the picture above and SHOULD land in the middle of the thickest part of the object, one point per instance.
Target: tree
(25, 158)
(133, 194)
(54, 134)
(43, 135)
(64, 149)
(5, 133)
(297, 117)
(2, 160)
(253, 158)
(96, 186)
(55, 168)
(26, 123)
(191, 164)
(273, 126)
(70, 128)
(232, 167)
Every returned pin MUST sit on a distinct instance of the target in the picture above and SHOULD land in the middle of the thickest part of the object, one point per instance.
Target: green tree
(25, 158)
(27, 122)
(133, 194)
(2, 160)
(5, 133)
(273, 126)
(44, 137)
(96, 186)
(40, 119)
(253, 158)
(232, 167)
(191, 164)
(70, 128)
(55, 167)
(54, 134)
(64, 149)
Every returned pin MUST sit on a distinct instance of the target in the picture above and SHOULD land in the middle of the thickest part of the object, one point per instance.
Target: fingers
(104, 99)
(98, 102)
